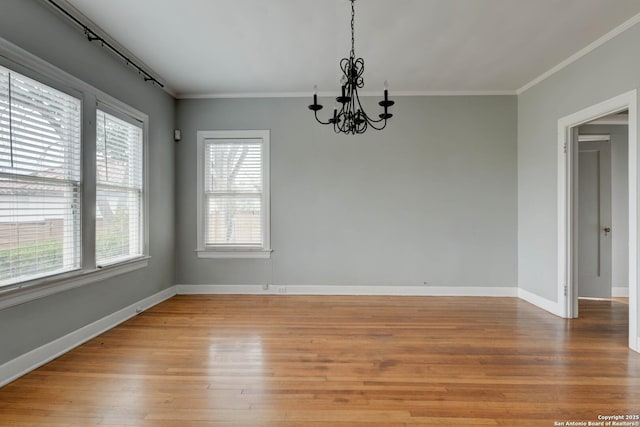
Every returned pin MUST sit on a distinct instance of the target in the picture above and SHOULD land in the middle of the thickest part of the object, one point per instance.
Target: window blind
(233, 192)
(40, 167)
(119, 189)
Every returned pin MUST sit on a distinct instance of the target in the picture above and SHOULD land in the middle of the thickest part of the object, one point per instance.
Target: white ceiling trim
(582, 52)
(453, 93)
(332, 94)
(171, 91)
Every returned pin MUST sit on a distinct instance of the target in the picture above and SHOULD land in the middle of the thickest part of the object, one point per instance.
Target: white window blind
(39, 179)
(233, 193)
(119, 189)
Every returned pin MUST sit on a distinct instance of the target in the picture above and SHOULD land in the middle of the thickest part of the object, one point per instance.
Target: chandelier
(350, 117)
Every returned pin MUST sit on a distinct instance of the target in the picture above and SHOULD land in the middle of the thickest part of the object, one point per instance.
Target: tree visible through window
(39, 179)
(118, 190)
(234, 195)
(234, 191)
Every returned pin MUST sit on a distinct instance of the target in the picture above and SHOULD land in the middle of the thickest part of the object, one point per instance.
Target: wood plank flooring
(338, 361)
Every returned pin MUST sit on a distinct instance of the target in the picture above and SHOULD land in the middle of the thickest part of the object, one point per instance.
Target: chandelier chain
(353, 36)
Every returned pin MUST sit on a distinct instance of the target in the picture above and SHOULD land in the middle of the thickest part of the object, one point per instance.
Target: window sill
(39, 288)
(239, 253)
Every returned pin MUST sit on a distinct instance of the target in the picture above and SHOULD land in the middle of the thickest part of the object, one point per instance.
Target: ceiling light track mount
(349, 116)
(93, 36)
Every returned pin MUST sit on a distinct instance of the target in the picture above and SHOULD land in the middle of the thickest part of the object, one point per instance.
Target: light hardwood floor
(338, 361)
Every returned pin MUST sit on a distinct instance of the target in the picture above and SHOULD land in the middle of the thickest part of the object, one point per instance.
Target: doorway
(594, 215)
(594, 244)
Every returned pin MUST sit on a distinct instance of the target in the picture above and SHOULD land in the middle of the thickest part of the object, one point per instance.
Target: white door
(594, 219)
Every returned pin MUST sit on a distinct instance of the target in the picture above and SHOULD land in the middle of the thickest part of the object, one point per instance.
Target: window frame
(135, 118)
(221, 251)
(20, 61)
(47, 80)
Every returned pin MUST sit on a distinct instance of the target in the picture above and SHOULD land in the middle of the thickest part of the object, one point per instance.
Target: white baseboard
(480, 291)
(22, 365)
(620, 292)
(540, 302)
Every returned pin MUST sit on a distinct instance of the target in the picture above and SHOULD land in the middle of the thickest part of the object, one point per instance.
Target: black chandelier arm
(343, 124)
(384, 125)
(320, 121)
(384, 117)
(371, 120)
(336, 125)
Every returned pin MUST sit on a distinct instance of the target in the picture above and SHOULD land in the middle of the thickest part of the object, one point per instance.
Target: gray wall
(431, 198)
(38, 30)
(608, 71)
(619, 199)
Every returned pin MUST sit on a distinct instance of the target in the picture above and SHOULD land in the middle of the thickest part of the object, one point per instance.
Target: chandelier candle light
(351, 118)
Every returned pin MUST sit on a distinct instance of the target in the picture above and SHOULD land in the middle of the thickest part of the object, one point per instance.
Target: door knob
(607, 230)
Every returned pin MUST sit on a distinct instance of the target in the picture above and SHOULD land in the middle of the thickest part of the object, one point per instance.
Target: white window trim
(128, 114)
(204, 251)
(23, 62)
(229, 254)
(45, 286)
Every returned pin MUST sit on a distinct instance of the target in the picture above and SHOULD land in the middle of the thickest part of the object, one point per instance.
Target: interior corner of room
(516, 182)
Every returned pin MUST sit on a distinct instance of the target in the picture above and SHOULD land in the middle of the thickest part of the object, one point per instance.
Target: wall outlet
(282, 290)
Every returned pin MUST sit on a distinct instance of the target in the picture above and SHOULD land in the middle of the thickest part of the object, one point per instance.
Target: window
(40, 172)
(119, 185)
(73, 198)
(233, 194)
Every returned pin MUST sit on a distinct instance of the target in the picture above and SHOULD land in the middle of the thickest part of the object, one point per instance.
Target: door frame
(567, 150)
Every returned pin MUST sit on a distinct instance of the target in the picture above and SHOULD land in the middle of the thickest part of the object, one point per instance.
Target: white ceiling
(240, 47)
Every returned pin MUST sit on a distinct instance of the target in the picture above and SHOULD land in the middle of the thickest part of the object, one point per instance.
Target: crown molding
(582, 52)
(176, 94)
(332, 94)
